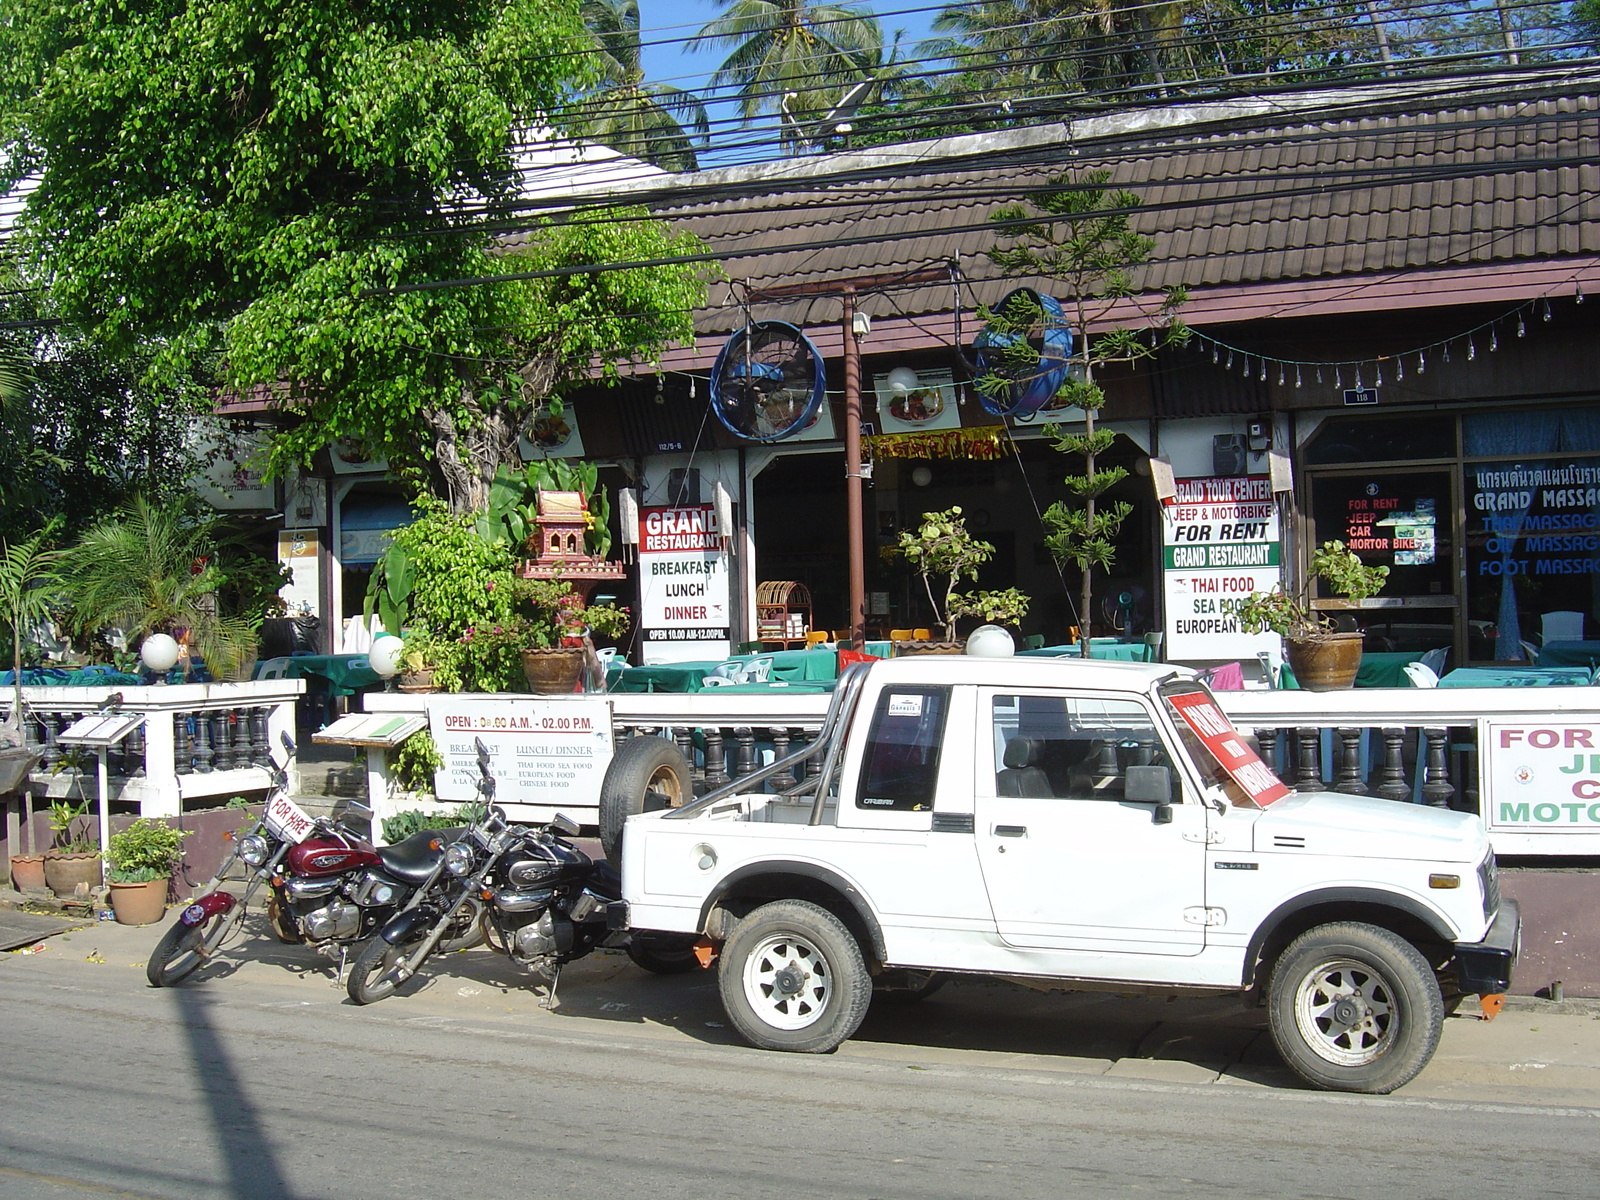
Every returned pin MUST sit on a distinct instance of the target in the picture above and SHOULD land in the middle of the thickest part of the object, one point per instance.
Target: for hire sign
(1221, 543)
(683, 585)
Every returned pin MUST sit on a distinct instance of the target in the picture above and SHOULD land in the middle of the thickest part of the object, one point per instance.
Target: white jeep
(1076, 824)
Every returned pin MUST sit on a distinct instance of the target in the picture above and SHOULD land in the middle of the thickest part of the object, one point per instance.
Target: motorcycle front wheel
(373, 977)
(184, 948)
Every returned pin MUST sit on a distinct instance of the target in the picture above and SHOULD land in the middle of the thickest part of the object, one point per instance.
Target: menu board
(1220, 543)
(551, 753)
(683, 585)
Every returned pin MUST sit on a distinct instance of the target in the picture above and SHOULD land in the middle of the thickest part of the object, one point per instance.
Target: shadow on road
(246, 1150)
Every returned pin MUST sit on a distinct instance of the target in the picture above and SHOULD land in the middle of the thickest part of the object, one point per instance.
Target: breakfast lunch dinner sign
(683, 585)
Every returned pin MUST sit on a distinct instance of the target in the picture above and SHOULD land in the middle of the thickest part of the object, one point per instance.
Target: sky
(661, 20)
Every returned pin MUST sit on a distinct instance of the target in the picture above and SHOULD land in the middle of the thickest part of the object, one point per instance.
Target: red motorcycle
(327, 887)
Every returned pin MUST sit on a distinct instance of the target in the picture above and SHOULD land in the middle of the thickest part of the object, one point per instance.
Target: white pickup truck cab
(1080, 825)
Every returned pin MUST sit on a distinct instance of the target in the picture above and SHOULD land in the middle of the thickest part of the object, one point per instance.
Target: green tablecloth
(1379, 669)
(1517, 677)
(798, 666)
(1106, 649)
(1569, 654)
(345, 674)
(663, 677)
(775, 686)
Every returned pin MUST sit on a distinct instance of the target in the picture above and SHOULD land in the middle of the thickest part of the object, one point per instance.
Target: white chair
(1434, 660)
(1563, 626)
(272, 668)
(1421, 675)
(759, 671)
(717, 681)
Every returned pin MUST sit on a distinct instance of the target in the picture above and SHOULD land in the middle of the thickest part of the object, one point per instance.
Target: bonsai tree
(941, 546)
(1077, 232)
(146, 850)
(1291, 617)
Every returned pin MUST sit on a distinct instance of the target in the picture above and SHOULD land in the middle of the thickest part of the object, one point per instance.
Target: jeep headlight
(458, 858)
(253, 849)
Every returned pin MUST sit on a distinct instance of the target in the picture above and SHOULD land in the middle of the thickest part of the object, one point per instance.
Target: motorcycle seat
(606, 881)
(414, 859)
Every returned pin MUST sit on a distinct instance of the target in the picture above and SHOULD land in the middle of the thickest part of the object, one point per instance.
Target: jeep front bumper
(1484, 968)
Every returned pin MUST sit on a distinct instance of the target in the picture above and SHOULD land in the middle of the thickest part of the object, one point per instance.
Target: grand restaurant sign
(683, 585)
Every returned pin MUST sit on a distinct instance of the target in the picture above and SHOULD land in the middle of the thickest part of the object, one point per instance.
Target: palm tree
(792, 57)
(653, 122)
(156, 567)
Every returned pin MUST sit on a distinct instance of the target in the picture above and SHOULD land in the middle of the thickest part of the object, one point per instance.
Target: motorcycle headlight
(253, 849)
(458, 858)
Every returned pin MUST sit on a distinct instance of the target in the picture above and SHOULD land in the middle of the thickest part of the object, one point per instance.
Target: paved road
(261, 1081)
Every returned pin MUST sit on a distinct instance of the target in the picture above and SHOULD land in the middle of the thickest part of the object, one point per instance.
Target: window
(901, 769)
(1071, 747)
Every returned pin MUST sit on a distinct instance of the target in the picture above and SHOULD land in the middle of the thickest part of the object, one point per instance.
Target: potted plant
(141, 859)
(556, 634)
(941, 547)
(1322, 658)
(73, 858)
(420, 657)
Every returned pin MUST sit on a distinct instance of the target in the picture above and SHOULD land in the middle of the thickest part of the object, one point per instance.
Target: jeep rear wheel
(792, 978)
(1354, 1008)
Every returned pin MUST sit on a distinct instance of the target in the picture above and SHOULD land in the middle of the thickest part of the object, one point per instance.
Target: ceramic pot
(901, 649)
(139, 903)
(554, 671)
(27, 871)
(1327, 663)
(64, 872)
(418, 681)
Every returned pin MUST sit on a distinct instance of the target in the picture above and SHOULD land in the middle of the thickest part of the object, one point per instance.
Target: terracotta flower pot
(553, 671)
(27, 871)
(418, 681)
(139, 903)
(64, 872)
(1327, 663)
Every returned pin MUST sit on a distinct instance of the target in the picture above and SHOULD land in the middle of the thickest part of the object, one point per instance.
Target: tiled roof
(1233, 203)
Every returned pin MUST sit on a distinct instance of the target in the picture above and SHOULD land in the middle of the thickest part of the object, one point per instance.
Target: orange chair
(816, 637)
(902, 635)
(922, 635)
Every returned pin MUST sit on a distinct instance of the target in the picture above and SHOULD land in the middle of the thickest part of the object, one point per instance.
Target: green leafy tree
(30, 587)
(791, 56)
(216, 195)
(942, 547)
(654, 122)
(1077, 234)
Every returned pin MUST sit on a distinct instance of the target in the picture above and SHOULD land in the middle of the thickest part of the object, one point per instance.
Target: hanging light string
(1485, 334)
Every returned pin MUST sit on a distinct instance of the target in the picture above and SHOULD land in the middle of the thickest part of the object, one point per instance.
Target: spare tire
(646, 773)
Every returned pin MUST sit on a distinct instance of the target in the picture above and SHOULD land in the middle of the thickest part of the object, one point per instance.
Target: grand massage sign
(1221, 542)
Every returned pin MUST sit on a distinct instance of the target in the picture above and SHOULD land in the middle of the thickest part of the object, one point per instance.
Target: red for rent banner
(1235, 757)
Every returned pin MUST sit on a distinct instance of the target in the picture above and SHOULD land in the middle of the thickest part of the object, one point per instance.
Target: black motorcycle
(538, 899)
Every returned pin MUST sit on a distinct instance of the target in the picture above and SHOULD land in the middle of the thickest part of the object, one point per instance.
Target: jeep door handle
(1011, 831)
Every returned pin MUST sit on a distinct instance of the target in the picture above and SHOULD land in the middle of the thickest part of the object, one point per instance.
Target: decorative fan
(768, 382)
(1029, 387)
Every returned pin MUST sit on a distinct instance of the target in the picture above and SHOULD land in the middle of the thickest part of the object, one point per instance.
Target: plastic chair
(1562, 626)
(902, 635)
(1421, 675)
(1034, 641)
(1154, 644)
(1434, 660)
(922, 635)
(272, 668)
(816, 637)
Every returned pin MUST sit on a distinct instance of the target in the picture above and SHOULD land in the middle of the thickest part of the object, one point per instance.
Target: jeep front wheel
(792, 978)
(1354, 1008)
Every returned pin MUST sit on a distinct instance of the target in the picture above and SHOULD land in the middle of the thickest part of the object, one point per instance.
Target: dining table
(1105, 649)
(1569, 653)
(1517, 677)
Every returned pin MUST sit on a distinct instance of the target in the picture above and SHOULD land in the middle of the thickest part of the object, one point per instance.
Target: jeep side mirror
(1148, 785)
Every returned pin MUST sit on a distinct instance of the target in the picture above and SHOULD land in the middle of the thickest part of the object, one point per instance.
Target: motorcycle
(328, 888)
(538, 899)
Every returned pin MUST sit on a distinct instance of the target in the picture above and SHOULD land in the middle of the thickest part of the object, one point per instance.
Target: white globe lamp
(384, 655)
(990, 641)
(902, 380)
(159, 654)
